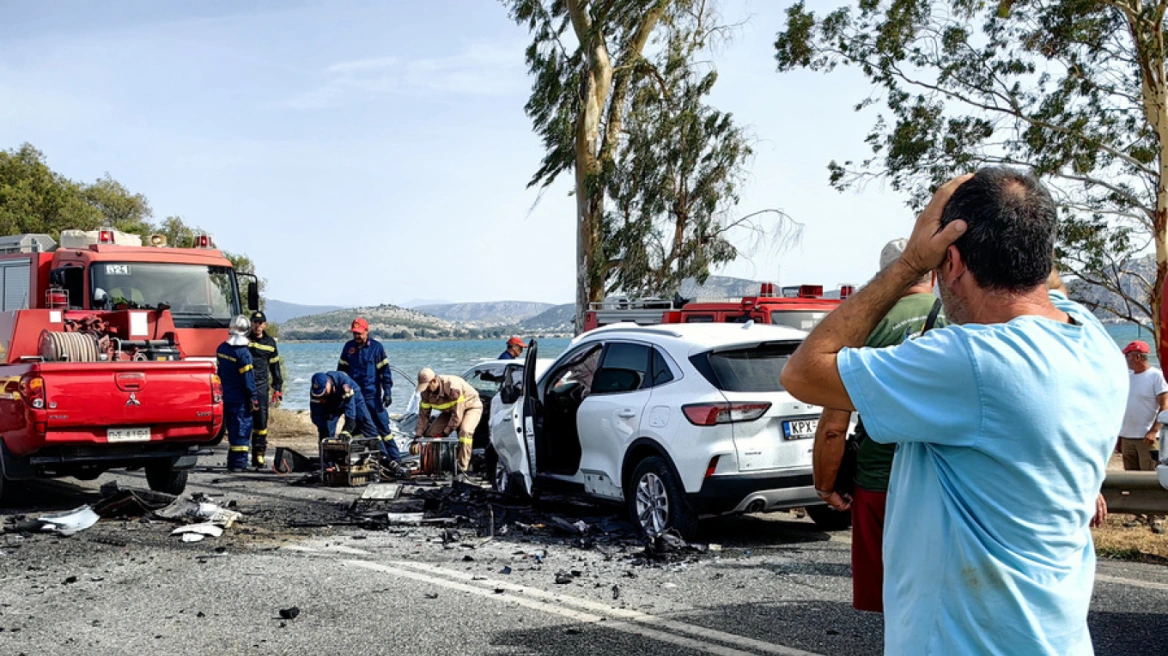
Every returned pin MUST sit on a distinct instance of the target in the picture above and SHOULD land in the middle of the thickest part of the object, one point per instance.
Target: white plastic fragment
(68, 523)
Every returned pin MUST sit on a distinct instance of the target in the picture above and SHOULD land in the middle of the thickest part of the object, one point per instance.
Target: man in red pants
(906, 319)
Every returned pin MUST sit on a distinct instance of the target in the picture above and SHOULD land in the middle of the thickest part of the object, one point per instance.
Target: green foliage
(618, 98)
(36, 199)
(1072, 89)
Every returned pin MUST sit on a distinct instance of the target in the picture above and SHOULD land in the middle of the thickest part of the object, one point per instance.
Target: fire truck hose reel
(69, 347)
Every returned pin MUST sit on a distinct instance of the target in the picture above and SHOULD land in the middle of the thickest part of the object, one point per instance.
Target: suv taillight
(216, 389)
(709, 414)
(32, 389)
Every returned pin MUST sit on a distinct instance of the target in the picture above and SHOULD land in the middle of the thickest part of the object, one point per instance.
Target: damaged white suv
(675, 421)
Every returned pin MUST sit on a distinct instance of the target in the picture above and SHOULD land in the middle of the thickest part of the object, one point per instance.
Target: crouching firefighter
(459, 410)
(240, 397)
(265, 354)
(334, 397)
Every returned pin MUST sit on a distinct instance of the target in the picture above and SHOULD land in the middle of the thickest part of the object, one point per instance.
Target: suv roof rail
(630, 326)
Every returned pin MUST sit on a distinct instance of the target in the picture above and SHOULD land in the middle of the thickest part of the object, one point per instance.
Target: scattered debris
(572, 631)
(563, 578)
(615, 592)
(376, 496)
(405, 519)
(289, 461)
(198, 508)
(71, 579)
(506, 569)
(196, 532)
(289, 613)
(431, 595)
(68, 523)
(669, 547)
(129, 502)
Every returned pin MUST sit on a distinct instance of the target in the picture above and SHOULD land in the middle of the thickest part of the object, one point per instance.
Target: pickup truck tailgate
(143, 394)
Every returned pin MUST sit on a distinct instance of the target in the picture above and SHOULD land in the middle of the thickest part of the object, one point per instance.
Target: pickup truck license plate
(801, 429)
(127, 434)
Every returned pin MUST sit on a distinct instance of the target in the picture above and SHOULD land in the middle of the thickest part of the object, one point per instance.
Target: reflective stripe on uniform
(275, 359)
(383, 363)
(260, 432)
(443, 406)
(466, 440)
(225, 356)
(262, 347)
(240, 449)
(244, 369)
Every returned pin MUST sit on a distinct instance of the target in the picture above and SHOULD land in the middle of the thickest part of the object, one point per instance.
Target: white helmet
(239, 325)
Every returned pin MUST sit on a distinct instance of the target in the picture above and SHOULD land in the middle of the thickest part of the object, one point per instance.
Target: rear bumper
(756, 492)
(65, 459)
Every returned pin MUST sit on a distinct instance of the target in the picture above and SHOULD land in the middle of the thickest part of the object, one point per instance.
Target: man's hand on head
(927, 244)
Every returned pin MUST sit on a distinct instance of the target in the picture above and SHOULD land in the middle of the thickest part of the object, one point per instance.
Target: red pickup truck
(107, 355)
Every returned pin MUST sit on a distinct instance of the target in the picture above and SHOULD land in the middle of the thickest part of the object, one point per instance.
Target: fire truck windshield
(198, 296)
(803, 320)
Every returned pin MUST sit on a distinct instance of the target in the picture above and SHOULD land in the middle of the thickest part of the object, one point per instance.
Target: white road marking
(553, 609)
(621, 613)
(1150, 585)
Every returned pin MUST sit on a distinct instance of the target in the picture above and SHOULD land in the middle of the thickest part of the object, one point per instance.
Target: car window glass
(661, 371)
(579, 370)
(484, 381)
(625, 368)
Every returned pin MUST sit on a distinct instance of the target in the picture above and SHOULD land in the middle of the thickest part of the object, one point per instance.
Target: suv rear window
(745, 369)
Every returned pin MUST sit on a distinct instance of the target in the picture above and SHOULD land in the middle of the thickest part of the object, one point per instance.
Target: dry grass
(1112, 540)
(1140, 544)
(291, 429)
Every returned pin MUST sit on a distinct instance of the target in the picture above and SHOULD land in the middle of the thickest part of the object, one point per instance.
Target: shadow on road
(819, 627)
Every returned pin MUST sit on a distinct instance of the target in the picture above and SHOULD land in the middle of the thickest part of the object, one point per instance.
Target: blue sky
(377, 152)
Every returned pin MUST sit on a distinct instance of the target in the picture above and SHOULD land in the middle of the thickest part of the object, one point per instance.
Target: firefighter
(460, 410)
(269, 383)
(364, 359)
(335, 396)
(240, 397)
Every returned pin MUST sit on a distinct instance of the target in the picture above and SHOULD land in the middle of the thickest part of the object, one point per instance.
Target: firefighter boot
(257, 458)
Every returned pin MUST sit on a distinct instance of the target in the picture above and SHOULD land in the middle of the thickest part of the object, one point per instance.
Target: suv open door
(513, 425)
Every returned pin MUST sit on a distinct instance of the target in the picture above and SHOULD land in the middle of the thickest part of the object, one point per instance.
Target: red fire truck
(107, 351)
(800, 307)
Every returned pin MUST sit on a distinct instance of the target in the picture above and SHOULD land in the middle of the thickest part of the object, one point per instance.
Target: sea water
(445, 357)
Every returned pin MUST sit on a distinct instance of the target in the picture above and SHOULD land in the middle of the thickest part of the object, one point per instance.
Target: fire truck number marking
(127, 434)
(117, 269)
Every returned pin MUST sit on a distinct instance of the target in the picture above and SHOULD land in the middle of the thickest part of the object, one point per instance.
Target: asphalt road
(776, 586)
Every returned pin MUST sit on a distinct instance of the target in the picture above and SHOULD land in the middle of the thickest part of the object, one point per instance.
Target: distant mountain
(385, 322)
(280, 311)
(719, 287)
(1096, 297)
(556, 319)
(496, 313)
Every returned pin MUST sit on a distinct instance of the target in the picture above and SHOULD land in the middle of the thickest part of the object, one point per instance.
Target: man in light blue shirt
(1004, 423)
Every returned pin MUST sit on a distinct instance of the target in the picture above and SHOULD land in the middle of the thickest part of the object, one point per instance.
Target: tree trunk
(589, 194)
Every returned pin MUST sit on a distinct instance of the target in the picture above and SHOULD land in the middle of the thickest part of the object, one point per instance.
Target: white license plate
(801, 429)
(127, 434)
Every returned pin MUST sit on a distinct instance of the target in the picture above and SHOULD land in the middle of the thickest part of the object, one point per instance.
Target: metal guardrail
(1136, 493)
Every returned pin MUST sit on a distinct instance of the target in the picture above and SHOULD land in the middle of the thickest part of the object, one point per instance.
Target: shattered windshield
(198, 296)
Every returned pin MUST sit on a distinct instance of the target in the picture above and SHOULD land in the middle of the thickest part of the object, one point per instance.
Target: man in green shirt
(906, 320)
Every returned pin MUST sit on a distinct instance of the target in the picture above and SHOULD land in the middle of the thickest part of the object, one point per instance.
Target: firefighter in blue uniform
(334, 397)
(240, 397)
(364, 359)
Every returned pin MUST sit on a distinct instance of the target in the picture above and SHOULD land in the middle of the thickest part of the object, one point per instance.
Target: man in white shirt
(1147, 396)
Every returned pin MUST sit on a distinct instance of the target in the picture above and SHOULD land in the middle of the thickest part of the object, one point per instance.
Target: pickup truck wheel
(656, 503)
(163, 477)
(829, 519)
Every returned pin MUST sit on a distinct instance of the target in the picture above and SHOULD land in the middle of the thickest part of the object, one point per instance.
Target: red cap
(359, 326)
(1137, 347)
(515, 341)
